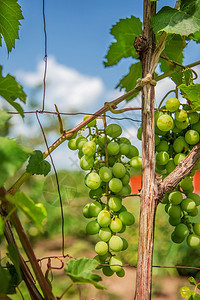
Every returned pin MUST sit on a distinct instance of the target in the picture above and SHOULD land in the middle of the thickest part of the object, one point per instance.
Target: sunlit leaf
(192, 93)
(184, 76)
(37, 165)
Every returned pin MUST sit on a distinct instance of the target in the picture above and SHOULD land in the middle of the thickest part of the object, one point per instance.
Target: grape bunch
(108, 158)
(177, 129)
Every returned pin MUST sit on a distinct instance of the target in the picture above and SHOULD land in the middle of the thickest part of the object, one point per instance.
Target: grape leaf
(12, 156)
(125, 31)
(37, 165)
(129, 81)
(35, 211)
(173, 50)
(196, 297)
(4, 279)
(184, 21)
(183, 76)
(192, 93)
(10, 90)
(14, 257)
(79, 270)
(192, 280)
(14, 280)
(10, 14)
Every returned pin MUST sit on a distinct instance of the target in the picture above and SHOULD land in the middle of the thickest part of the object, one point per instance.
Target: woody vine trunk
(149, 187)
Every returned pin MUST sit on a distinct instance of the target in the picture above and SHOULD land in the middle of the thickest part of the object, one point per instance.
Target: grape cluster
(177, 129)
(108, 158)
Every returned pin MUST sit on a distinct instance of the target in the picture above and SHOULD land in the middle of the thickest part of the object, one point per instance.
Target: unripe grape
(193, 241)
(188, 205)
(133, 151)
(125, 244)
(115, 185)
(187, 184)
(181, 230)
(192, 137)
(196, 127)
(124, 140)
(127, 218)
(111, 161)
(174, 221)
(72, 144)
(162, 158)
(89, 148)
(115, 261)
(180, 145)
(105, 174)
(177, 239)
(162, 146)
(124, 148)
(115, 243)
(116, 224)
(92, 227)
(95, 208)
(126, 190)
(115, 203)
(120, 273)
(123, 228)
(193, 117)
(93, 181)
(101, 248)
(86, 211)
(194, 212)
(179, 157)
(80, 141)
(125, 180)
(119, 170)
(105, 234)
(170, 166)
(113, 130)
(104, 218)
(113, 148)
(136, 162)
(86, 162)
(96, 194)
(181, 115)
(101, 141)
(175, 197)
(165, 122)
(196, 228)
(157, 140)
(172, 104)
(195, 197)
(107, 271)
(182, 125)
(139, 133)
(90, 124)
(174, 211)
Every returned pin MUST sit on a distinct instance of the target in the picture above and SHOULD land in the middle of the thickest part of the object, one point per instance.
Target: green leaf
(10, 14)
(12, 156)
(129, 81)
(185, 292)
(14, 280)
(79, 270)
(192, 280)
(35, 211)
(192, 93)
(196, 297)
(125, 32)
(1, 226)
(14, 257)
(184, 21)
(4, 117)
(4, 279)
(173, 50)
(10, 90)
(183, 76)
(37, 165)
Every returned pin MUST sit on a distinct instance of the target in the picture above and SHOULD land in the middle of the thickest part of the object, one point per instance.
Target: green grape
(165, 122)
(133, 151)
(93, 181)
(165, 199)
(174, 221)
(120, 273)
(136, 162)
(162, 146)
(175, 197)
(179, 157)
(126, 190)
(101, 248)
(196, 127)
(86, 162)
(105, 174)
(105, 234)
(113, 130)
(116, 224)
(113, 148)
(89, 148)
(174, 211)
(115, 243)
(157, 114)
(182, 125)
(119, 170)
(162, 158)
(111, 161)
(196, 228)
(157, 140)
(115, 185)
(193, 241)
(187, 184)
(180, 145)
(80, 141)
(124, 140)
(86, 211)
(125, 180)
(124, 148)
(170, 166)
(125, 244)
(188, 205)
(115, 264)
(101, 141)
(80, 154)
(123, 228)
(72, 144)
(176, 129)
(92, 227)
(104, 218)
(95, 208)
(96, 194)
(90, 124)
(177, 239)
(181, 230)
(180, 115)
(172, 104)
(107, 271)
(127, 218)
(115, 203)
(193, 117)
(194, 212)
(195, 198)
(192, 137)
(139, 133)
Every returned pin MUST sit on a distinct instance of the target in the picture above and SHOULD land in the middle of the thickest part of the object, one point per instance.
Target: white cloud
(66, 87)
